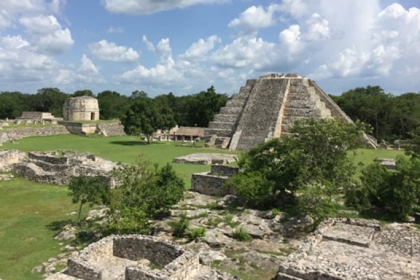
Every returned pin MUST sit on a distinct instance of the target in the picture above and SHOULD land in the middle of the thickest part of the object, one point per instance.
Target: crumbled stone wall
(36, 115)
(211, 183)
(91, 263)
(57, 167)
(8, 158)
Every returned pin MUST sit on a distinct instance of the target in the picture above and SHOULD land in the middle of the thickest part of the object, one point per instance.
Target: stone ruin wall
(10, 157)
(211, 183)
(57, 167)
(177, 263)
(25, 132)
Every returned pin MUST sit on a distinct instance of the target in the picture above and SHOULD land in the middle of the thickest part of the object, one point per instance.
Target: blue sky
(185, 46)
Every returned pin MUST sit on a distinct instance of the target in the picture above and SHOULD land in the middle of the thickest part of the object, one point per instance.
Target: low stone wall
(111, 129)
(80, 128)
(177, 263)
(25, 132)
(209, 184)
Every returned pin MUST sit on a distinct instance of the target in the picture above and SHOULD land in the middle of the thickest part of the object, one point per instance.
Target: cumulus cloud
(148, 44)
(47, 34)
(105, 50)
(256, 17)
(200, 49)
(86, 74)
(19, 61)
(151, 6)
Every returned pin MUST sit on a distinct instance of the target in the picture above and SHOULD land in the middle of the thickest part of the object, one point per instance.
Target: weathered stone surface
(212, 183)
(56, 167)
(337, 250)
(206, 158)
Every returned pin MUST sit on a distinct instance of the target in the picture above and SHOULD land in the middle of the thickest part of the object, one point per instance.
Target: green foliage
(112, 104)
(203, 106)
(84, 189)
(196, 233)
(241, 234)
(145, 116)
(181, 226)
(395, 193)
(145, 191)
(288, 172)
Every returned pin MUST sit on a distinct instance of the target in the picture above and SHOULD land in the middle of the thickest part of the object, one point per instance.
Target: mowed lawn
(29, 210)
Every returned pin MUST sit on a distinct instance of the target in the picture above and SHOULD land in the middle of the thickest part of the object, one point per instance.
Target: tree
(85, 92)
(309, 166)
(84, 189)
(49, 100)
(395, 193)
(145, 116)
(203, 106)
(112, 104)
(144, 192)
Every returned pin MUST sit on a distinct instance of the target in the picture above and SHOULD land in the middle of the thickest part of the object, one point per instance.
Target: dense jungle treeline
(390, 116)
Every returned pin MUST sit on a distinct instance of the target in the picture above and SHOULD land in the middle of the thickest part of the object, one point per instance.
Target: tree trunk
(80, 211)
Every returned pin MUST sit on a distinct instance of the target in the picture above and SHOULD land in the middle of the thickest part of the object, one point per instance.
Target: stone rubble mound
(57, 167)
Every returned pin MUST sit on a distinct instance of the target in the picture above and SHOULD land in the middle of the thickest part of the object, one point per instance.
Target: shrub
(196, 232)
(241, 234)
(181, 226)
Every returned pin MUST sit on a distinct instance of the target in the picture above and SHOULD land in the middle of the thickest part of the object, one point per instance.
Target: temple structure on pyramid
(266, 108)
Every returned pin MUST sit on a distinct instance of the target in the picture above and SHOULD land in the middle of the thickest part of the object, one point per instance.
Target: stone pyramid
(266, 108)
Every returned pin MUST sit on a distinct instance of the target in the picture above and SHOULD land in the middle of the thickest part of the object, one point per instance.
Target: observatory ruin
(266, 107)
(82, 108)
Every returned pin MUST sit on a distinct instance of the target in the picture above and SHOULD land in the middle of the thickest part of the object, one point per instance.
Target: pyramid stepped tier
(302, 102)
(268, 107)
(260, 114)
(225, 122)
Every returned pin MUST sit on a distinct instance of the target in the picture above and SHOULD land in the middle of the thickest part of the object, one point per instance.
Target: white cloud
(200, 49)
(105, 50)
(47, 34)
(87, 66)
(246, 51)
(113, 29)
(19, 61)
(151, 6)
(255, 18)
(148, 44)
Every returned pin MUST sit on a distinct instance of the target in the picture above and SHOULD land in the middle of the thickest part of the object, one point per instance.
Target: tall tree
(145, 116)
(112, 104)
(203, 106)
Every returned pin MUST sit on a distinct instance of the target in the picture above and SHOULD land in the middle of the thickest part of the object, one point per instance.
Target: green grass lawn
(27, 213)
(120, 149)
(27, 209)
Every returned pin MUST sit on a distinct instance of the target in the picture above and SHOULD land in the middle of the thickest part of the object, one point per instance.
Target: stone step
(302, 112)
(235, 103)
(221, 125)
(218, 132)
(225, 118)
(230, 110)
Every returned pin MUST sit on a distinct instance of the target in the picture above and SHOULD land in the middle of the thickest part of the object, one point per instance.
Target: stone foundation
(211, 183)
(206, 158)
(134, 257)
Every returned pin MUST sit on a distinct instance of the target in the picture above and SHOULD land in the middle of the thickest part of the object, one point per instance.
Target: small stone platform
(356, 249)
(206, 158)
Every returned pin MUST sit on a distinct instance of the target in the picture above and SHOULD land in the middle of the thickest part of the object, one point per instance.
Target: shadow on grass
(57, 226)
(134, 143)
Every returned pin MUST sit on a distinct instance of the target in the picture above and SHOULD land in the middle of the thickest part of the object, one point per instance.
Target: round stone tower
(82, 108)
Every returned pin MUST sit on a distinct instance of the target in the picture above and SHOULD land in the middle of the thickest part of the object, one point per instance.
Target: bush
(181, 226)
(196, 232)
(241, 234)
